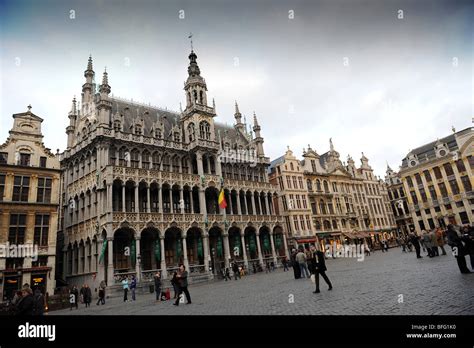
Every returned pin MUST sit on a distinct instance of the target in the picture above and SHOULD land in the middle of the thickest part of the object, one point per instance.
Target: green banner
(252, 245)
(278, 241)
(102, 253)
(157, 250)
(133, 252)
(200, 251)
(179, 249)
(219, 247)
(266, 243)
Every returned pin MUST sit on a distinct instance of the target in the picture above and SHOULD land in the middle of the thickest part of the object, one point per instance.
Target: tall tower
(238, 119)
(104, 105)
(87, 88)
(195, 86)
(258, 138)
(72, 123)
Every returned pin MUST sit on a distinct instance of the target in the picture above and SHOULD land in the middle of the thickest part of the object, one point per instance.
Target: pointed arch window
(138, 129)
(191, 132)
(205, 130)
(176, 137)
(117, 126)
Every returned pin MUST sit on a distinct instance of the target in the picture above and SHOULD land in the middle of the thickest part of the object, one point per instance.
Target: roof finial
(453, 129)
(29, 107)
(237, 108)
(89, 63)
(331, 146)
(255, 122)
(191, 37)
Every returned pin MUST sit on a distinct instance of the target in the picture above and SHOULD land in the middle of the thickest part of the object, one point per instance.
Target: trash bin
(152, 288)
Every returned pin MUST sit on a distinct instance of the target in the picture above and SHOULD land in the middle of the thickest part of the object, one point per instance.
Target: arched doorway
(265, 243)
(216, 249)
(150, 249)
(195, 248)
(251, 244)
(278, 240)
(124, 250)
(173, 248)
(235, 244)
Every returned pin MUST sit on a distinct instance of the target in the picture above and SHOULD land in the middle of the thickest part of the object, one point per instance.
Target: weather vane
(191, 37)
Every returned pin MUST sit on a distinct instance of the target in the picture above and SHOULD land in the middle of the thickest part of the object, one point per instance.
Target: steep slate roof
(275, 162)
(168, 117)
(427, 151)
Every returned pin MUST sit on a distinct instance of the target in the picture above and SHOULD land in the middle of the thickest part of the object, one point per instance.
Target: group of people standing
(84, 295)
(310, 263)
(460, 239)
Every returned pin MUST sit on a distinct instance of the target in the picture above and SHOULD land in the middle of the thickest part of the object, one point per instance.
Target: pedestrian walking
(235, 269)
(434, 243)
(74, 297)
(301, 259)
(284, 261)
(182, 278)
(427, 243)
(86, 295)
(227, 274)
(385, 245)
(174, 283)
(157, 281)
(459, 250)
(295, 265)
(318, 267)
(125, 289)
(468, 239)
(416, 244)
(102, 287)
(440, 239)
(133, 287)
(38, 304)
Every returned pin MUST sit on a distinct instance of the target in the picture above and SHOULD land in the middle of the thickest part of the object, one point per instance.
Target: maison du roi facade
(140, 188)
(29, 201)
(433, 187)
(324, 200)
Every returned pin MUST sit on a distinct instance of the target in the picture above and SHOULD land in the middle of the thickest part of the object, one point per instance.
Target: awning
(306, 240)
(350, 235)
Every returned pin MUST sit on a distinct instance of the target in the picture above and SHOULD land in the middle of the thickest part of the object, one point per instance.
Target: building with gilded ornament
(29, 201)
(438, 180)
(140, 188)
(327, 201)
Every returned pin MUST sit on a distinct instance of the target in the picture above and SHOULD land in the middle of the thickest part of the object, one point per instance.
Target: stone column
(123, 198)
(86, 259)
(239, 208)
(171, 201)
(259, 199)
(267, 206)
(244, 250)
(202, 202)
(226, 249)
(208, 158)
(185, 253)
(65, 264)
(230, 203)
(138, 259)
(245, 204)
(110, 264)
(181, 199)
(148, 205)
(259, 248)
(252, 201)
(164, 274)
(199, 164)
(286, 246)
(191, 201)
(273, 249)
(218, 167)
(205, 242)
(160, 200)
(137, 207)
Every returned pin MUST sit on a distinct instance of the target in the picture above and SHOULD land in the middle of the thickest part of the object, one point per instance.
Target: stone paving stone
(371, 287)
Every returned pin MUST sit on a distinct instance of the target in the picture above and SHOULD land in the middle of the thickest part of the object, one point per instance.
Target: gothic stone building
(29, 201)
(140, 188)
(326, 201)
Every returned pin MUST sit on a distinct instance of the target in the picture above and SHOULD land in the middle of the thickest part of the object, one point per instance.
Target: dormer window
(25, 159)
(3, 157)
(176, 136)
(117, 126)
(138, 129)
(158, 133)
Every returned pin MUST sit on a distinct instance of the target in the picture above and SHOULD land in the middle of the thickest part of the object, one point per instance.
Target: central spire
(193, 68)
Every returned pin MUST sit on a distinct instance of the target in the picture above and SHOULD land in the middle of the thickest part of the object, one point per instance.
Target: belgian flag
(222, 202)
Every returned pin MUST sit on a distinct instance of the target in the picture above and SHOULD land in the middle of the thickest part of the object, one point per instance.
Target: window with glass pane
(471, 161)
(437, 172)
(2, 186)
(409, 181)
(21, 188)
(454, 186)
(460, 165)
(432, 192)
(16, 233)
(427, 176)
(418, 179)
(414, 197)
(42, 163)
(41, 229)
(44, 190)
(25, 159)
(3, 158)
(442, 188)
(423, 195)
(448, 169)
(466, 182)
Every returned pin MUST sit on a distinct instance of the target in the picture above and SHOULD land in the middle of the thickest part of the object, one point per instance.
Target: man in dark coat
(157, 280)
(318, 267)
(182, 277)
(235, 269)
(296, 266)
(459, 250)
(38, 307)
(416, 243)
(27, 302)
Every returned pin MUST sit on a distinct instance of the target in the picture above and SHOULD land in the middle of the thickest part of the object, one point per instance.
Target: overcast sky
(311, 70)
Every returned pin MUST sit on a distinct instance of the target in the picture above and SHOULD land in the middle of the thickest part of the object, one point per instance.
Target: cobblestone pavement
(373, 286)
